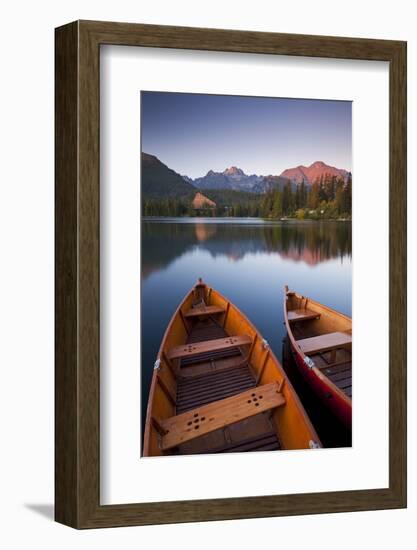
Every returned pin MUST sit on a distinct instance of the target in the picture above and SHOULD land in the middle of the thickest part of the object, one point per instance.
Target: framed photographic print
(230, 274)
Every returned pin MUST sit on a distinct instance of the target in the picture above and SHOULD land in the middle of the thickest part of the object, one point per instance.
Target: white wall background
(26, 274)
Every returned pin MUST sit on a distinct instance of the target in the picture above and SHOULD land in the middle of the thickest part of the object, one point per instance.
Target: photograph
(246, 273)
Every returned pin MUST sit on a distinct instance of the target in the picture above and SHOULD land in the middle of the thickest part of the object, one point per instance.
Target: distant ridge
(231, 178)
(159, 181)
(213, 180)
(270, 183)
(313, 172)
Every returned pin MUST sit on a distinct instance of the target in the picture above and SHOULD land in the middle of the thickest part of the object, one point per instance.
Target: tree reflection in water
(308, 242)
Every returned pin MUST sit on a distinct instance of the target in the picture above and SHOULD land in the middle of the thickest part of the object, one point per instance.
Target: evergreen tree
(313, 199)
(303, 195)
(322, 190)
(347, 197)
(286, 199)
(277, 205)
(339, 196)
(297, 200)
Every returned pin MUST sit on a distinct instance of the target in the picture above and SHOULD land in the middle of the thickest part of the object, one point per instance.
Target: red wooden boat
(321, 342)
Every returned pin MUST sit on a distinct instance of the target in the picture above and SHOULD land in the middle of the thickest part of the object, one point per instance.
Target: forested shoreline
(327, 198)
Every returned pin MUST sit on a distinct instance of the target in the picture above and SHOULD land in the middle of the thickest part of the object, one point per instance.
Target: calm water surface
(247, 260)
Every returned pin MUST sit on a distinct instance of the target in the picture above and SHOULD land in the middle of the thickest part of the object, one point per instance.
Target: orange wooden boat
(321, 341)
(218, 387)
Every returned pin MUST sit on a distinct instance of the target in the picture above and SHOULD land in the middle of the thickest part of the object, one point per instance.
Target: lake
(248, 261)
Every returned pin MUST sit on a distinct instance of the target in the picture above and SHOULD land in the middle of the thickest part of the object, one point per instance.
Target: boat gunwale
(146, 436)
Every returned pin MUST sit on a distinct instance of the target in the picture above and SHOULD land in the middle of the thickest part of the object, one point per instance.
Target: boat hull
(330, 398)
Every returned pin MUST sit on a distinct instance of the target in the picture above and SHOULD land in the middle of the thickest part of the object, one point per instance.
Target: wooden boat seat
(324, 342)
(203, 311)
(296, 315)
(198, 348)
(208, 418)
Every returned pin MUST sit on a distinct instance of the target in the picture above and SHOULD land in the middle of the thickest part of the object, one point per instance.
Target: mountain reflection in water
(308, 242)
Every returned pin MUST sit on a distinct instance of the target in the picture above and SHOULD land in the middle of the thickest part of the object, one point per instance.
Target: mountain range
(158, 180)
(232, 178)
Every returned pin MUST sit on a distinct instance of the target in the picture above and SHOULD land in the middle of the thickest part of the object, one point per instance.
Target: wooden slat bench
(203, 311)
(198, 348)
(208, 418)
(324, 342)
(296, 315)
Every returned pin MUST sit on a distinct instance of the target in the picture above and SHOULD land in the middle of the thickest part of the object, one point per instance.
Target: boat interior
(325, 336)
(218, 388)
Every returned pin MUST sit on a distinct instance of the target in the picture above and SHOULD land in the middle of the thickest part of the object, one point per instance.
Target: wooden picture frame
(77, 404)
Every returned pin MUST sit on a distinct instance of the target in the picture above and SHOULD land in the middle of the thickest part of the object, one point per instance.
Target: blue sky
(194, 133)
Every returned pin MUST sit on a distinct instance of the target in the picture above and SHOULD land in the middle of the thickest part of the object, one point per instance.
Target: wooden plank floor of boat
(340, 373)
(214, 376)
